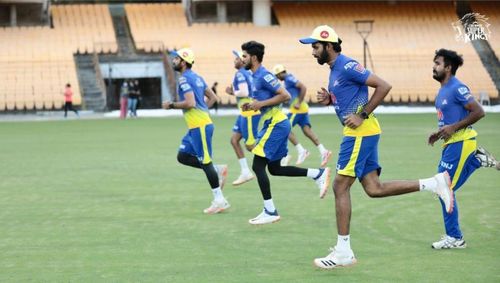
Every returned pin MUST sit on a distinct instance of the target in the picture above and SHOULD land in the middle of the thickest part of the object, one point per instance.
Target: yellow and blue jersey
(291, 86)
(244, 76)
(191, 82)
(264, 87)
(450, 102)
(349, 94)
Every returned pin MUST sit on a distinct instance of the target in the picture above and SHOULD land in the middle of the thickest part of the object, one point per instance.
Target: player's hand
(353, 121)
(446, 132)
(254, 105)
(323, 96)
(166, 105)
(229, 90)
(296, 105)
(434, 137)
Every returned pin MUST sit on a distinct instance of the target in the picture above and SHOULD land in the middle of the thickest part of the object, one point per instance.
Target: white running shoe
(217, 207)
(302, 157)
(265, 217)
(325, 157)
(222, 174)
(286, 160)
(323, 181)
(444, 191)
(243, 178)
(487, 159)
(335, 259)
(448, 242)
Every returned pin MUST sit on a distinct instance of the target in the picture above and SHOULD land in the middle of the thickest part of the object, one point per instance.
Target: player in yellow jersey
(196, 146)
(272, 140)
(358, 155)
(247, 122)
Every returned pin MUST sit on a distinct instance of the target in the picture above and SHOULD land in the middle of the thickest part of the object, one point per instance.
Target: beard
(323, 58)
(248, 66)
(177, 68)
(438, 77)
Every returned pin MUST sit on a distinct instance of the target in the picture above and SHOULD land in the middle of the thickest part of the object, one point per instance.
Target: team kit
(266, 130)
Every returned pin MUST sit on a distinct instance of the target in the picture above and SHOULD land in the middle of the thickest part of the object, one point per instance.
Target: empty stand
(402, 43)
(37, 62)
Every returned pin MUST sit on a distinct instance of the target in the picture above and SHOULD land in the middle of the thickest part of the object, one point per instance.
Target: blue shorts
(272, 141)
(459, 160)
(242, 126)
(302, 119)
(358, 156)
(198, 142)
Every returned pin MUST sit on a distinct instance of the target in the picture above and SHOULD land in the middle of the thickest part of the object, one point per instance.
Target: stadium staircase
(90, 84)
(125, 42)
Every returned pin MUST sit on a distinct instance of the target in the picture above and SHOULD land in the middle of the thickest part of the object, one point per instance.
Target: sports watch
(363, 115)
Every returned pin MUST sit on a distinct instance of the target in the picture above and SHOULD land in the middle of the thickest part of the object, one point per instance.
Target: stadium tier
(402, 43)
(38, 61)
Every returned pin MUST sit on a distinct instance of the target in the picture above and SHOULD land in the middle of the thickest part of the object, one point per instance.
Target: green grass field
(106, 201)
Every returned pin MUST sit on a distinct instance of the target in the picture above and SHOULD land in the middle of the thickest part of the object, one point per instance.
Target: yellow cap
(278, 69)
(185, 54)
(321, 33)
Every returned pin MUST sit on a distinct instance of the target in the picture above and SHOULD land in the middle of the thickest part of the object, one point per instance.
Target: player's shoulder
(349, 65)
(459, 86)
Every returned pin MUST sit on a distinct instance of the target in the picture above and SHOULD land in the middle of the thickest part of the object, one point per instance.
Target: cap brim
(308, 40)
(236, 54)
(174, 53)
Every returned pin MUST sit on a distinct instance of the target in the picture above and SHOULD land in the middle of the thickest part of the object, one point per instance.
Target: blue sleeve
(184, 87)
(462, 95)
(355, 72)
(239, 78)
(270, 82)
(291, 81)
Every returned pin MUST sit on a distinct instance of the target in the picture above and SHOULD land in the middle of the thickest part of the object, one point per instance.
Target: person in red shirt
(68, 101)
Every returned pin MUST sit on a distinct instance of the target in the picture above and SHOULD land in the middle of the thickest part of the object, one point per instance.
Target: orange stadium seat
(402, 44)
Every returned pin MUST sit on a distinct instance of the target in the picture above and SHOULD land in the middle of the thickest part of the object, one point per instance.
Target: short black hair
(450, 57)
(336, 45)
(254, 48)
(68, 85)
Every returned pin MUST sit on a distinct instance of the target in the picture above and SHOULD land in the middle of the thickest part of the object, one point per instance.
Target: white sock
(312, 173)
(218, 196)
(429, 184)
(321, 149)
(244, 166)
(300, 148)
(269, 205)
(343, 243)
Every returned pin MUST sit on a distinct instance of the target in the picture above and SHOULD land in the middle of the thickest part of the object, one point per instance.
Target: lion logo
(472, 26)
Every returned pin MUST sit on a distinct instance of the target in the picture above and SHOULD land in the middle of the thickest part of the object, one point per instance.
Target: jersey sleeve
(355, 72)
(291, 81)
(270, 82)
(463, 95)
(239, 78)
(184, 86)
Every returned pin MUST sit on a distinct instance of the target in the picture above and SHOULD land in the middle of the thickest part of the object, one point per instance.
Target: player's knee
(374, 191)
(274, 169)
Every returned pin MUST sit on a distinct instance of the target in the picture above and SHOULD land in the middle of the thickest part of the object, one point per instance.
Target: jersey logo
(360, 69)
(463, 90)
(333, 98)
(268, 78)
(446, 165)
(335, 83)
(182, 80)
(444, 102)
(349, 65)
(185, 87)
(440, 114)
